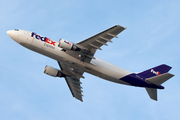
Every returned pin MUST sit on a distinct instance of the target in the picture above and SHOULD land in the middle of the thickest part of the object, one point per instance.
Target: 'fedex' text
(67, 42)
(45, 39)
(157, 73)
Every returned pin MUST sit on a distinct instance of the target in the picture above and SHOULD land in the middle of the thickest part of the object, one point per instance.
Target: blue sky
(151, 38)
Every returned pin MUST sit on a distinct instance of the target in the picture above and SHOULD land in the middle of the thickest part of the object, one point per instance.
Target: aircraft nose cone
(10, 33)
(13, 35)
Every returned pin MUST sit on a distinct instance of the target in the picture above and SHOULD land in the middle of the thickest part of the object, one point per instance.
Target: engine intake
(53, 71)
(68, 45)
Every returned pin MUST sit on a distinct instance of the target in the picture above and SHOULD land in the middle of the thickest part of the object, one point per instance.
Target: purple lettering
(32, 35)
(37, 37)
(43, 39)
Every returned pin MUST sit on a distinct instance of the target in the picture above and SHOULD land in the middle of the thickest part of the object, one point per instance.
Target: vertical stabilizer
(152, 93)
(161, 69)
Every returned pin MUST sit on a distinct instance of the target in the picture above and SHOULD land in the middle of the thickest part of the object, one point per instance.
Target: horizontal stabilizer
(152, 93)
(158, 80)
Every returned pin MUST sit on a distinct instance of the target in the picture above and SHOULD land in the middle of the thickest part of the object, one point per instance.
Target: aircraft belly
(112, 79)
(38, 49)
(109, 69)
(56, 53)
(105, 76)
(106, 71)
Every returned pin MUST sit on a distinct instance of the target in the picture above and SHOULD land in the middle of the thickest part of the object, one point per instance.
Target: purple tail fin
(161, 69)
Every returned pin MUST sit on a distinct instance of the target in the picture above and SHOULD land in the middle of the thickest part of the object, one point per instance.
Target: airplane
(76, 58)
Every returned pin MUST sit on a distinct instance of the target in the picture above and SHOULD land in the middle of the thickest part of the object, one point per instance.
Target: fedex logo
(67, 42)
(45, 39)
(157, 73)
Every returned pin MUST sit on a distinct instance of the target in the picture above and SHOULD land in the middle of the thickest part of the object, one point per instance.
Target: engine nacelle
(68, 45)
(53, 72)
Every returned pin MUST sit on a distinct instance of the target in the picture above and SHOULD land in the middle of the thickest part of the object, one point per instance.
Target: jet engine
(53, 72)
(68, 45)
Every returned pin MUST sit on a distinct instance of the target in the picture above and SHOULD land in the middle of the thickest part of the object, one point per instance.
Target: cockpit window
(16, 29)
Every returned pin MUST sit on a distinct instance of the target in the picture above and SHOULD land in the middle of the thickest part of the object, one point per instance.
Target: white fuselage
(50, 49)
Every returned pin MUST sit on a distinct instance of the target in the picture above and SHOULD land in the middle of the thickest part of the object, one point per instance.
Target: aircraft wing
(88, 49)
(73, 79)
(100, 39)
(90, 45)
